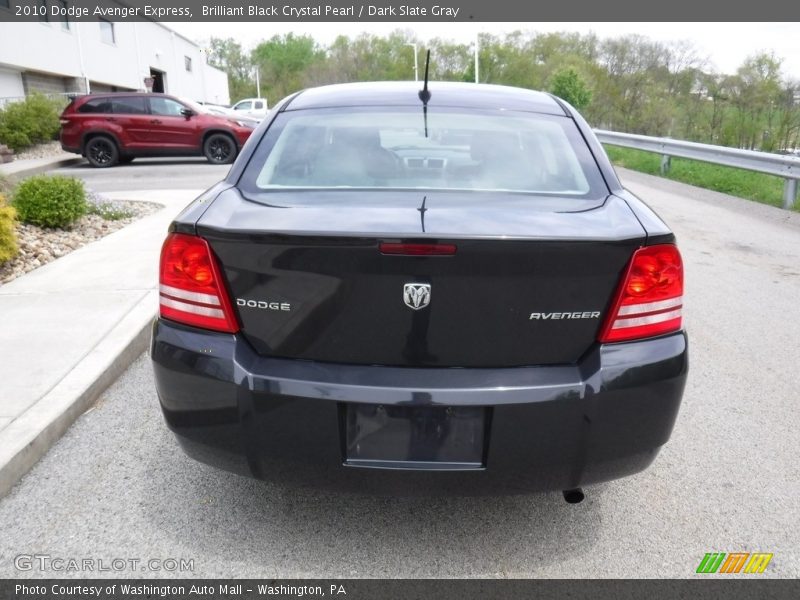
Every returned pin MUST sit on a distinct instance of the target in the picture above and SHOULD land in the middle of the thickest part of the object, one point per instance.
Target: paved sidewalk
(71, 327)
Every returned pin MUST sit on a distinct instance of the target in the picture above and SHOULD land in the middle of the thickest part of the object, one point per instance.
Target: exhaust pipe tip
(575, 496)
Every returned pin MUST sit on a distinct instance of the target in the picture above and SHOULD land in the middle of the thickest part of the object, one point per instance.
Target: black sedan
(437, 289)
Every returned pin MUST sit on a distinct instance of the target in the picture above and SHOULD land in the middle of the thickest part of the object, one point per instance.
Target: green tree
(449, 61)
(506, 61)
(628, 83)
(227, 55)
(369, 57)
(755, 93)
(567, 84)
(284, 63)
(788, 130)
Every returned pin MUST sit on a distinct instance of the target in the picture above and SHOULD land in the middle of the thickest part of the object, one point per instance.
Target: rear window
(400, 148)
(125, 105)
(96, 105)
(129, 106)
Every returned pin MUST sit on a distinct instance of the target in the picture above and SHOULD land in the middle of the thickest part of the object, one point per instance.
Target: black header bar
(408, 11)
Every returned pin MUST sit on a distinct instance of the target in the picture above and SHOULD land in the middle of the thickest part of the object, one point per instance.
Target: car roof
(405, 93)
(123, 95)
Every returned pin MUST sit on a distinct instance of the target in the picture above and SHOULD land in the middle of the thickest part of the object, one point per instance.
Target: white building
(58, 57)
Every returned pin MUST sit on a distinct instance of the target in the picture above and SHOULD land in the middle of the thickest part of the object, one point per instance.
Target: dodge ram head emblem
(417, 295)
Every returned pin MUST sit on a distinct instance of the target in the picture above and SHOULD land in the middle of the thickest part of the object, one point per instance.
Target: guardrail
(787, 167)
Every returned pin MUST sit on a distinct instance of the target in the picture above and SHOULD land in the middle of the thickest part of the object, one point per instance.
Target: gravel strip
(40, 151)
(39, 246)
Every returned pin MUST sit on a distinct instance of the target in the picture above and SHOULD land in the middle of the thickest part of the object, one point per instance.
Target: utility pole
(416, 61)
(477, 49)
(258, 84)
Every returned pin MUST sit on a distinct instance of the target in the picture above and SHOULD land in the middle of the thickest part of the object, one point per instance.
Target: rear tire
(219, 149)
(101, 152)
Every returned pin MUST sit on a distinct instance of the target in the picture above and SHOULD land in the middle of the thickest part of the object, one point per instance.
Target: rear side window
(400, 148)
(129, 106)
(96, 105)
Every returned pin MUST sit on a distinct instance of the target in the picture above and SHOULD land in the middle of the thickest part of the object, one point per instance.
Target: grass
(766, 189)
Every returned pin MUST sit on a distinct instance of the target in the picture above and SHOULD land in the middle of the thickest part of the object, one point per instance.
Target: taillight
(191, 289)
(417, 249)
(649, 300)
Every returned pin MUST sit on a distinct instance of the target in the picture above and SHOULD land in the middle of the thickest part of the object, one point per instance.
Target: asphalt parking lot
(149, 174)
(118, 486)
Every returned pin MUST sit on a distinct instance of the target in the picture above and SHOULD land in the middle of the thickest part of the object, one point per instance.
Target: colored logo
(734, 562)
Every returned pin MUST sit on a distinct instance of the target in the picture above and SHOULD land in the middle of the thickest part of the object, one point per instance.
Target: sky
(725, 45)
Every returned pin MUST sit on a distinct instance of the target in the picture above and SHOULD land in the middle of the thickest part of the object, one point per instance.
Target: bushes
(32, 121)
(6, 187)
(50, 201)
(8, 235)
(569, 85)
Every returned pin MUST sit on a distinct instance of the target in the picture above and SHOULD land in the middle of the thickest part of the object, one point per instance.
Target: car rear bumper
(68, 148)
(554, 428)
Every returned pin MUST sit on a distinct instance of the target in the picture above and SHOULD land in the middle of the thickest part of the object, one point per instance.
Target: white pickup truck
(252, 107)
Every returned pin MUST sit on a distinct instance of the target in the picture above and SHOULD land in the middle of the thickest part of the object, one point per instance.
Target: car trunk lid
(528, 282)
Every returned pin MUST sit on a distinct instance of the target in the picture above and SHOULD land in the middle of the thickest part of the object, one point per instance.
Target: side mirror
(188, 113)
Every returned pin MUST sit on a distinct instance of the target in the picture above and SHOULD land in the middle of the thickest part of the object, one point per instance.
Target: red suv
(116, 128)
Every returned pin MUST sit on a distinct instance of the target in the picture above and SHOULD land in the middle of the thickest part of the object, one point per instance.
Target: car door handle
(155, 121)
(111, 119)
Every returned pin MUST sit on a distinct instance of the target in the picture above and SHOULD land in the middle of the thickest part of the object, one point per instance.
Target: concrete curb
(26, 439)
(26, 168)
